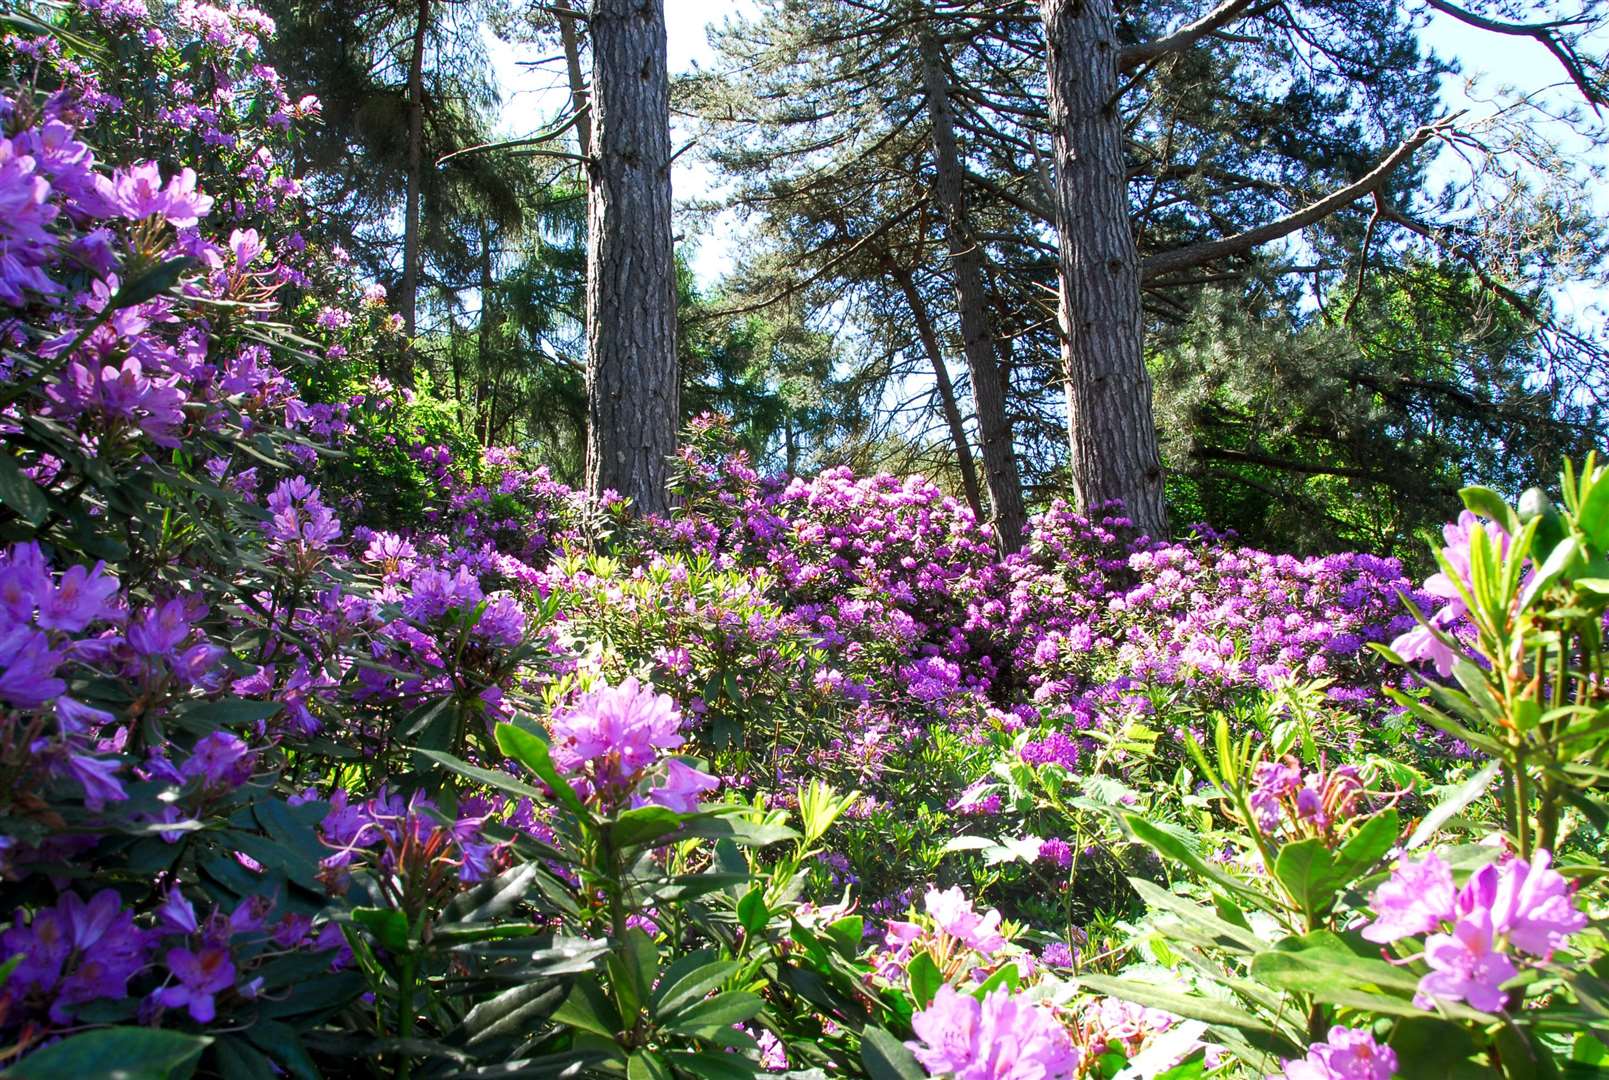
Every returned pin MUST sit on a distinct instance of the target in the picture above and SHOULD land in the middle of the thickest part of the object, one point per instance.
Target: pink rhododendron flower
(1416, 899)
(999, 1038)
(1350, 1054)
(952, 912)
(1465, 966)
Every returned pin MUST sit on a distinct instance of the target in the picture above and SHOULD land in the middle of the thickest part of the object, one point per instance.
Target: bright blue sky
(1493, 62)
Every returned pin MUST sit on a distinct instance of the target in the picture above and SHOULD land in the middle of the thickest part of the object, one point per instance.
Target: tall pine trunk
(633, 390)
(929, 338)
(977, 342)
(1110, 428)
(416, 179)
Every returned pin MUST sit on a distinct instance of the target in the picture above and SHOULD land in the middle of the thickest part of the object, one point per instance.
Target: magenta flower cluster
(1348, 1054)
(1001, 1037)
(611, 742)
(1505, 911)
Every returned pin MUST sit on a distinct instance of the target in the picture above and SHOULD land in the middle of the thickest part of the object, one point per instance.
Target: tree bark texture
(1110, 428)
(633, 389)
(977, 343)
(416, 179)
(929, 338)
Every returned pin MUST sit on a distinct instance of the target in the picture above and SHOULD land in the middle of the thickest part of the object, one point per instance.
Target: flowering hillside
(333, 747)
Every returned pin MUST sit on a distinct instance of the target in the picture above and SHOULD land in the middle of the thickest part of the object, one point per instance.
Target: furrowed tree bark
(941, 375)
(977, 343)
(1111, 432)
(633, 389)
(416, 179)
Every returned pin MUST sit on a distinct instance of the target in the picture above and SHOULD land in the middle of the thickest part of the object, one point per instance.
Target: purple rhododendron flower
(74, 952)
(1416, 899)
(219, 760)
(137, 192)
(82, 596)
(26, 214)
(1531, 904)
(201, 976)
(999, 1038)
(1350, 1054)
(952, 912)
(680, 787)
(608, 736)
(28, 669)
(1465, 966)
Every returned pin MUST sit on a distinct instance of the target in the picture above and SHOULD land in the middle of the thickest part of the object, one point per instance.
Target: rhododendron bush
(331, 745)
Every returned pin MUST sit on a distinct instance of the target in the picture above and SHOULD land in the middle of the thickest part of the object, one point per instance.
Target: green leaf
(886, 1058)
(647, 1065)
(1462, 796)
(208, 716)
(388, 925)
(1174, 849)
(713, 1066)
(513, 1013)
(738, 830)
(1190, 1006)
(128, 1053)
(529, 750)
(924, 979)
(633, 965)
(21, 494)
(1431, 1046)
(1323, 960)
(589, 1009)
(707, 1017)
(1234, 937)
(752, 911)
(491, 778)
(1488, 503)
(643, 825)
(155, 281)
(847, 934)
(1308, 872)
(1367, 844)
(679, 991)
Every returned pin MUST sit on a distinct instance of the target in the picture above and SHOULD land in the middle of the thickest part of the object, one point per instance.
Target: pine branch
(1199, 254)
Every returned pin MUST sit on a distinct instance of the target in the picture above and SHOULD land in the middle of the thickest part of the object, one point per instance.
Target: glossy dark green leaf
(589, 1009)
(154, 282)
(130, 1053)
(711, 1015)
(529, 750)
(21, 494)
(1307, 870)
(924, 979)
(886, 1058)
(644, 825)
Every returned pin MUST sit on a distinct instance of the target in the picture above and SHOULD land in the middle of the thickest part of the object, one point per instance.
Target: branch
(1545, 33)
(1198, 254)
(530, 140)
(1184, 37)
(806, 282)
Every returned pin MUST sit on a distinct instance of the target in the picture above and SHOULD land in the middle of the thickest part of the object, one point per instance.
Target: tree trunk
(941, 375)
(989, 403)
(1110, 429)
(416, 178)
(633, 391)
(578, 89)
(483, 334)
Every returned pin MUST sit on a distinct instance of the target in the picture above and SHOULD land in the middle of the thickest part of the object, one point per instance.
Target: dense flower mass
(324, 726)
